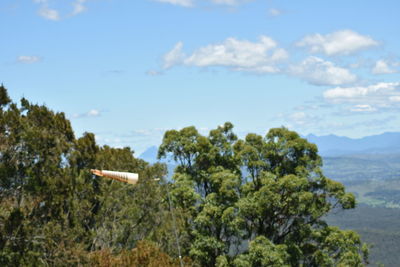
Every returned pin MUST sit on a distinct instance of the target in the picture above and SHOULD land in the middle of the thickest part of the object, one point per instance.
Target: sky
(128, 70)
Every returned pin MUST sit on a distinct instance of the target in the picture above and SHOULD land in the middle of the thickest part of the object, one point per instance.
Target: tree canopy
(53, 212)
(259, 201)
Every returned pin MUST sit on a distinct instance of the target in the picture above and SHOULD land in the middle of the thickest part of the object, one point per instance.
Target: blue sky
(129, 70)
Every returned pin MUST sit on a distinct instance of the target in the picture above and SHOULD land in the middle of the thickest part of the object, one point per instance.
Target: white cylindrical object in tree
(126, 177)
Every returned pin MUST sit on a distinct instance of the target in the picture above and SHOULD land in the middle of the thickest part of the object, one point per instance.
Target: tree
(269, 191)
(53, 212)
(253, 202)
(34, 189)
(206, 188)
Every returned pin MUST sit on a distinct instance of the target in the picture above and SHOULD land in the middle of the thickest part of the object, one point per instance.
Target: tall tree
(253, 202)
(53, 211)
(269, 191)
(34, 182)
(206, 189)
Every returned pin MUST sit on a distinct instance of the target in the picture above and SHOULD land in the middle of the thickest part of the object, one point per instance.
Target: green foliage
(388, 196)
(378, 226)
(4, 98)
(53, 211)
(268, 191)
(262, 253)
(378, 192)
(260, 201)
(362, 167)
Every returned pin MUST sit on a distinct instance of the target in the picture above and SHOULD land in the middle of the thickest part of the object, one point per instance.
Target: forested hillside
(378, 226)
(54, 212)
(375, 180)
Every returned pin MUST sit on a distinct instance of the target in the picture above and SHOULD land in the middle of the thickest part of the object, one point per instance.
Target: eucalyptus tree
(206, 188)
(268, 192)
(259, 201)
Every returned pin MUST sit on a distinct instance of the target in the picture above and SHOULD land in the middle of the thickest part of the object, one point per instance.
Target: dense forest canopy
(260, 201)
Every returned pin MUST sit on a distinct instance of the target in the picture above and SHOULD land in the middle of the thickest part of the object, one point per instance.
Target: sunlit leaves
(267, 190)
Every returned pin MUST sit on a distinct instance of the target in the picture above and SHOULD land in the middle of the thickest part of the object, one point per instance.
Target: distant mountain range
(333, 145)
(150, 155)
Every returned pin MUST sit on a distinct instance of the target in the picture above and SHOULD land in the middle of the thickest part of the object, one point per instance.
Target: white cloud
(192, 3)
(225, 2)
(319, 72)
(90, 113)
(154, 73)
(48, 13)
(362, 108)
(230, 2)
(174, 57)
(184, 3)
(28, 59)
(299, 120)
(78, 7)
(384, 95)
(51, 13)
(273, 12)
(353, 93)
(93, 113)
(242, 55)
(383, 67)
(337, 43)
(395, 98)
(40, 1)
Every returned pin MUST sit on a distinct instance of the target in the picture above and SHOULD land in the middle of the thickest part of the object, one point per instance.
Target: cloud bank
(342, 42)
(372, 98)
(317, 71)
(385, 67)
(240, 55)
